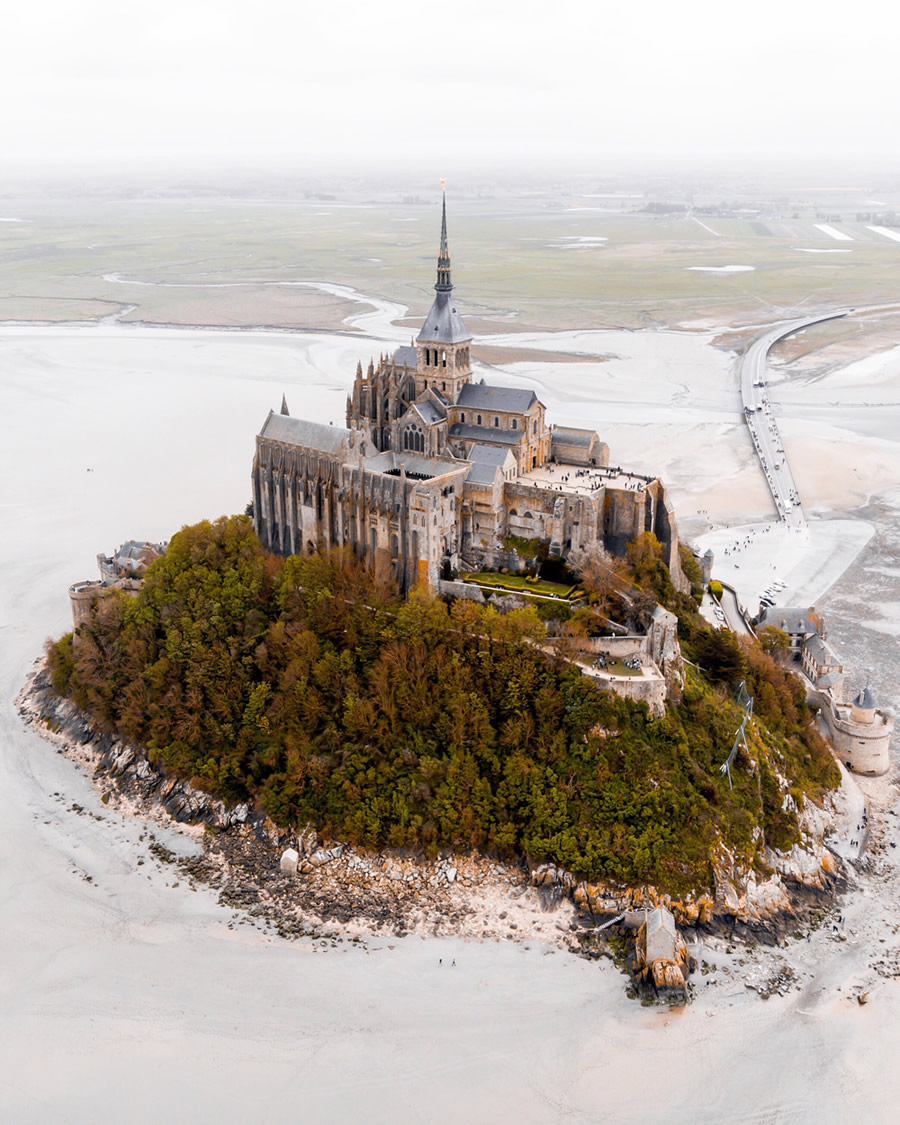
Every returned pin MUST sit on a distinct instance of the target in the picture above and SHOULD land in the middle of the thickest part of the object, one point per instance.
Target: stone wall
(503, 602)
(659, 646)
(642, 689)
(632, 644)
(84, 596)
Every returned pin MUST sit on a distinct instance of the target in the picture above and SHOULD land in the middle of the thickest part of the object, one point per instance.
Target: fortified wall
(122, 571)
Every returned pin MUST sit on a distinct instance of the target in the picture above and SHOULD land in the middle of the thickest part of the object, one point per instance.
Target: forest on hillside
(310, 688)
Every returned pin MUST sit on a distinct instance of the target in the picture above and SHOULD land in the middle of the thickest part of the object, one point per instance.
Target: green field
(517, 259)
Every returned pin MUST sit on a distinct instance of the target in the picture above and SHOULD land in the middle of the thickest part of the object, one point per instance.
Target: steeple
(444, 284)
(284, 405)
(443, 324)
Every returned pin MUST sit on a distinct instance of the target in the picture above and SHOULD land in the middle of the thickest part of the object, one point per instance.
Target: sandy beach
(121, 989)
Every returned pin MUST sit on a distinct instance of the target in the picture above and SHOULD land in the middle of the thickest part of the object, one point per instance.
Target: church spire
(444, 285)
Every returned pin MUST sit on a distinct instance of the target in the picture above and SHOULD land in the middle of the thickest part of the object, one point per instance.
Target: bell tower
(443, 363)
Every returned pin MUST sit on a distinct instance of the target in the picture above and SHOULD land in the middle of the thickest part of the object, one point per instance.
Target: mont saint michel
(145, 340)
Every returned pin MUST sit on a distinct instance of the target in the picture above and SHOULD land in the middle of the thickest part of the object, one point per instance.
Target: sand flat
(124, 996)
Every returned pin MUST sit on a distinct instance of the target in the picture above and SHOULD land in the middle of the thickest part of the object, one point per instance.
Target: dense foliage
(309, 687)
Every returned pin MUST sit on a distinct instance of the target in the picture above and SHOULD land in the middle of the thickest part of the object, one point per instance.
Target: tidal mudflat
(123, 989)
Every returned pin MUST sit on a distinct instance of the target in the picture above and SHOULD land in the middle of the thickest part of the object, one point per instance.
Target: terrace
(581, 481)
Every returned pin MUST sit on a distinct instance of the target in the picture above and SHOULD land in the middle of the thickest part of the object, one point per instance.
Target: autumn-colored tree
(310, 687)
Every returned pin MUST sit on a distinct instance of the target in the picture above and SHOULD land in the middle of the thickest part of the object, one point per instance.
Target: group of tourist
(593, 479)
(739, 545)
(603, 660)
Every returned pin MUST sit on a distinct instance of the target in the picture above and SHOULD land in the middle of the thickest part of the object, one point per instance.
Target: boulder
(290, 857)
(325, 855)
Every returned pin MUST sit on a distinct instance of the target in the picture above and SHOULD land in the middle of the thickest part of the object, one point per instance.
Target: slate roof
(565, 435)
(407, 355)
(137, 554)
(132, 549)
(492, 435)
(660, 935)
(864, 699)
(309, 435)
(482, 473)
(791, 620)
(428, 412)
(821, 650)
(444, 325)
(483, 396)
(829, 679)
(488, 455)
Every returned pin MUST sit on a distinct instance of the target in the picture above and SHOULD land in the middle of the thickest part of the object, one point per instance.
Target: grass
(614, 666)
(518, 585)
(61, 255)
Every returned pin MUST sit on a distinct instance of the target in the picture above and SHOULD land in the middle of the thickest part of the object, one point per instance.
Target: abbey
(436, 472)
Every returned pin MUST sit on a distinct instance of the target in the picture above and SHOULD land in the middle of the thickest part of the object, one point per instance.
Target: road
(761, 420)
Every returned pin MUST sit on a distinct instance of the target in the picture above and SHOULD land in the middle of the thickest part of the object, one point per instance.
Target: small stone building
(661, 955)
(577, 447)
(819, 660)
(797, 622)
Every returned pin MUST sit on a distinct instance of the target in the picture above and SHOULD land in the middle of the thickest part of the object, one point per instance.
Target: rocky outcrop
(665, 651)
(764, 906)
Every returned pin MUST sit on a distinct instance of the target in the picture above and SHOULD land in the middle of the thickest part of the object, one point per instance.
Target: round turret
(862, 709)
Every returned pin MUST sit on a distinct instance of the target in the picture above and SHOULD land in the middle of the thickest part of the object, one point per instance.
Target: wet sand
(125, 996)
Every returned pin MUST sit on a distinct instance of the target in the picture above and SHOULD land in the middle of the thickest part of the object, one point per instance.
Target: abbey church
(436, 473)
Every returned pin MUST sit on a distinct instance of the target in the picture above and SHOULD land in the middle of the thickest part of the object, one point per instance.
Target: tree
(648, 567)
(601, 573)
(774, 641)
(720, 655)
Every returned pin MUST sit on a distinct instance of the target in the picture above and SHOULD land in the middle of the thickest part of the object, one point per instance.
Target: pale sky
(460, 80)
